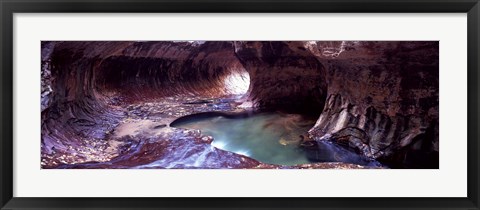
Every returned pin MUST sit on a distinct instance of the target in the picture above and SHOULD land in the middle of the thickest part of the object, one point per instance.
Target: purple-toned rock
(383, 101)
(379, 99)
(283, 75)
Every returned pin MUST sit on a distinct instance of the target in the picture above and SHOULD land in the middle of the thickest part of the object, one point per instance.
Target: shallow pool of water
(267, 137)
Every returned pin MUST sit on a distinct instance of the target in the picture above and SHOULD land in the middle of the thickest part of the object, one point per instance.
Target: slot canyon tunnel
(114, 104)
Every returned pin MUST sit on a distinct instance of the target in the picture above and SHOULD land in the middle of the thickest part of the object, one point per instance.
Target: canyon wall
(157, 69)
(382, 100)
(377, 98)
(284, 76)
(84, 85)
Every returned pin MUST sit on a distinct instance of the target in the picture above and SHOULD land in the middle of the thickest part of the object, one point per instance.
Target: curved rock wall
(284, 76)
(378, 98)
(382, 100)
(157, 69)
(75, 120)
(82, 80)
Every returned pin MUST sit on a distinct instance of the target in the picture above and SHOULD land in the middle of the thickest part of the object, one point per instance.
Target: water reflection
(273, 138)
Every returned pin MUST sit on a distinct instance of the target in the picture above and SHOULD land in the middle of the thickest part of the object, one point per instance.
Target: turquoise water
(273, 138)
(267, 137)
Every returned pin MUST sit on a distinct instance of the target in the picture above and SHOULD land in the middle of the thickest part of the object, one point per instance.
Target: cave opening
(155, 89)
(237, 83)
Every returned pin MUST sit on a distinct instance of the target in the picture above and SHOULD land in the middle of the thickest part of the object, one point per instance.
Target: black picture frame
(9, 7)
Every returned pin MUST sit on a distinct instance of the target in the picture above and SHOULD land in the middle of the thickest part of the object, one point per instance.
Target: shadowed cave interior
(240, 104)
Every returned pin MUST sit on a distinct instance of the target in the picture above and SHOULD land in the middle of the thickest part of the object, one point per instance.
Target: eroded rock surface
(284, 76)
(383, 101)
(379, 99)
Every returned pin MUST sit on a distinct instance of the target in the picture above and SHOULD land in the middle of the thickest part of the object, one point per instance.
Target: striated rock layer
(284, 76)
(377, 98)
(92, 83)
(382, 100)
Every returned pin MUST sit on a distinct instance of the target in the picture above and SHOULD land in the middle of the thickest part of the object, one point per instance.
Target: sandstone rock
(389, 90)
(283, 76)
(379, 99)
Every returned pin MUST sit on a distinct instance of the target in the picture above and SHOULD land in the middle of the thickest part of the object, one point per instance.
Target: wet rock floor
(143, 138)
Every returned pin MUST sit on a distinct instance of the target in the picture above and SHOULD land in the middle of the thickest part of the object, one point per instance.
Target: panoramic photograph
(239, 104)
